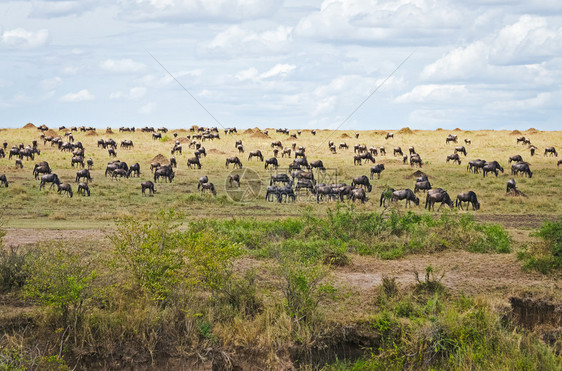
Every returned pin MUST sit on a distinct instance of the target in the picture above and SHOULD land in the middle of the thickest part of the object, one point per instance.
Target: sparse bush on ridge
(547, 255)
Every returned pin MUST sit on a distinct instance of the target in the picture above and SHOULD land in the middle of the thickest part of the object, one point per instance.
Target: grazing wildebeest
(2, 153)
(359, 148)
(156, 136)
(164, 172)
(437, 195)
(90, 163)
(275, 152)
(194, 161)
(14, 151)
(276, 144)
(475, 165)
(510, 185)
(415, 159)
(135, 169)
(41, 169)
(358, 194)
(83, 189)
(304, 184)
(101, 143)
(5, 144)
(173, 162)
(19, 163)
(412, 150)
(520, 139)
(273, 162)
(423, 185)
(467, 141)
(271, 192)
(377, 169)
(373, 151)
(304, 175)
(404, 194)
(4, 180)
(112, 152)
(286, 192)
(460, 149)
(343, 145)
(256, 153)
(559, 162)
(286, 151)
(127, 144)
(237, 143)
(119, 173)
(65, 187)
(177, 148)
(454, 157)
(386, 195)
(204, 179)
(389, 135)
(362, 181)
(233, 178)
(77, 160)
(382, 150)
(521, 167)
(470, 198)
(200, 151)
(532, 149)
(491, 167)
(398, 150)
(85, 173)
(208, 187)
(516, 158)
(551, 151)
(235, 161)
(451, 138)
(317, 165)
(321, 190)
(148, 185)
(280, 178)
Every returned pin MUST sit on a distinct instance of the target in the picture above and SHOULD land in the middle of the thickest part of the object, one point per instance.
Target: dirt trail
(19, 236)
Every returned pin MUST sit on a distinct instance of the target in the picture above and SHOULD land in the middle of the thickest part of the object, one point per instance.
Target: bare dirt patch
(161, 159)
(30, 126)
(20, 237)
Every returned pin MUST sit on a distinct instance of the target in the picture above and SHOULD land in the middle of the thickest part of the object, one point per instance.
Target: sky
(348, 64)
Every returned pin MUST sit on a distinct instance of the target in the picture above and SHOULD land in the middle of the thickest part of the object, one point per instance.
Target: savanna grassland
(184, 280)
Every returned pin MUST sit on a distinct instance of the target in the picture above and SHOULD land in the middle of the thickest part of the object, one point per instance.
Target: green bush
(12, 272)
(547, 256)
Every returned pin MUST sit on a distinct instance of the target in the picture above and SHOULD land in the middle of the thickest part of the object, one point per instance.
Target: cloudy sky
(296, 63)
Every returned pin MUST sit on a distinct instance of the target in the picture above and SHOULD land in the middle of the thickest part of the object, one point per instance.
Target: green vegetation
(546, 256)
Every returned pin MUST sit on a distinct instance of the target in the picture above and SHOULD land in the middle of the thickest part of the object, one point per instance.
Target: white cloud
(50, 84)
(61, 8)
(147, 108)
(434, 93)
(81, 96)
(242, 41)
(21, 38)
(122, 66)
(278, 70)
(133, 93)
(252, 73)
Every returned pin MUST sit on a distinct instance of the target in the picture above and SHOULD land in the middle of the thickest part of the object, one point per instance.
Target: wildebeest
(280, 178)
(286, 192)
(41, 168)
(4, 180)
(83, 189)
(286, 151)
(271, 192)
(237, 143)
(321, 190)
(510, 185)
(423, 185)
(273, 162)
(365, 156)
(520, 139)
(235, 161)
(200, 151)
(2, 153)
(521, 167)
(467, 141)
(112, 152)
(437, 195)
(77, 160)
(90, 163)
(532, 149)
(470, 198)
(475, 165)
(134, 169)
(275, 152)
(304, 184)
(208, 187)
(415, 159)
(148, 185)
(65, 187)
(559, 162)
(204, 179)
(460, 149)
(377, 169)
(551, 151)
(119, 173)
(516, 158)
(257, 154)
(491, 167)
(194, 161)
(156, 136)
(358, 194)
(14, 151)
(127, 144)
(299, 154)
(233, 178)
(454, 157)
(404, 194)
(164, 172)
(173, 162)
(276, 144)
(373, 151)
(389, 135)
(343, 145)
(382, 150)
(362, 181)
(451, 138)
(176, 148)
(19, 163)
(85, 173)
(398, 150)
(318, 164)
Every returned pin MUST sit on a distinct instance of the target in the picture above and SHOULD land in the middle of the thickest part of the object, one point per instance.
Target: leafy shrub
(12, 264)
(547, 256)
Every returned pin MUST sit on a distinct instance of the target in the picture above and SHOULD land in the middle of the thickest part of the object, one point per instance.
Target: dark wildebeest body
(475, 165)
(454, 157)
(377, 169)
(280, 178)
(437, 195)
(234, 178)
(194, 161)
(273, 162)
(424, 185)
(318, 164)
(405, 194)
(204, 179)
(470, 198)
(415, 160)
(491, 167)
(119, 173)
(147, 185)
(164, 172)
(83, 189)
(134, 169)
(90, 163)
(510, 185)
(362, 181)
(85, 173)
(389, 135)
(286, 151)
(516, 158)
(451, 138)
(208, 187)
(358, 194)
(398, 151)
(65, 187)
(551, 151)
(323, 190)
(235, 161)
(77, 160)
(4, 180)
(287, 193)
(49, 178)
(257, 154)
(461, 150)
(521, 167)
(271, 192)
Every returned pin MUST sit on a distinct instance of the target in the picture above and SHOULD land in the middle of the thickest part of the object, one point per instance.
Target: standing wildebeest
(200, 151)
(204, 179)
(451, 138)
(19, 163)
(516, 158)
(177, 148)
(135, 169)
(322, 190)
(343, 145)
(454, 157)
(85, 173)
(362, 181)
(235, 161)
(475, 165)
(127, 144)
(460, 149)
(317, 165)
(90, 163)
(403, 194)
(510, 185)
(521, 167)
(148, 185)
(280, 178)
(5, 144)
(272, 191)
(194, 161)
(389, 135)
(359, 148)
(382, 150)
(520, 139)
(423, 185)
(559, 162)
(333, 149)
(469, 197)
(287, 192)
(275, 152)
(491, 167)
(412, 150)
(65, 187)
(300, 153)
(276, 144)
(398, 150)
(83, 189)
(156, 136)
(2, 153)
(286, 151)
(373, 151)
(119, 173)
(358, 194)
(208, 187)
(467, 141)
(112, 152)
(4, 180)
(233, 178)
(377, 169)
(256, 153)
(173, 162)
(273, 162)
(237, 143)
(14, 151)
(551, 151)
(240, 148)
(164, 172)
(77, 160)
(437, 195)
(415, 159)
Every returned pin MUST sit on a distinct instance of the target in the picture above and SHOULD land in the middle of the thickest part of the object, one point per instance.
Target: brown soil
(50, 133)
(161, 159)
(216, 151)
(405, 130)
(344, 135)
(417, 174)
(19, 237)
(30, 126)
(515, 132)
(183, 140)
(91, 133)
(457, 129)
(248, 131)
(259, 134)
(108, 131)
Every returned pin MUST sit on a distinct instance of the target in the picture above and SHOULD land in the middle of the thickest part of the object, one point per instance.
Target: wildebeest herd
(301, 175)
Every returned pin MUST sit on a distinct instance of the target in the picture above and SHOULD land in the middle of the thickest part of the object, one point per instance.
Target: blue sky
(484, 64)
